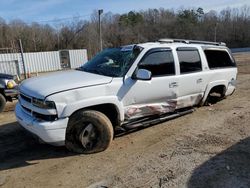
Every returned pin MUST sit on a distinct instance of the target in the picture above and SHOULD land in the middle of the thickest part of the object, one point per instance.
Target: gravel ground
(208, 148)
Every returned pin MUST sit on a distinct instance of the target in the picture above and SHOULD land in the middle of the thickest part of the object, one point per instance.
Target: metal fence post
(100, 27)
(18, 68)
(21, 50)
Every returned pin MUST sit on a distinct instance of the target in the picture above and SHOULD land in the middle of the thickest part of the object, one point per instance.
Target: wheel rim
(88, 136)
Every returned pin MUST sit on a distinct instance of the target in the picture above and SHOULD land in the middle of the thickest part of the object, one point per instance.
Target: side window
(189, 60)
(218, 59)
(159, 61)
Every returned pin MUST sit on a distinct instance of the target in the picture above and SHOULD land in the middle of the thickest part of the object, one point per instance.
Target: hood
(6, 76)
(49, 84)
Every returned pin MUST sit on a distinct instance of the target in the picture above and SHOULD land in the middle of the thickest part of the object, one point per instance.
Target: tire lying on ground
(2, 102)
(88, 131)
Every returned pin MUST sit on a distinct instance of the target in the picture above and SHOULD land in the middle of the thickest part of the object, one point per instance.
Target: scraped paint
(137, 111)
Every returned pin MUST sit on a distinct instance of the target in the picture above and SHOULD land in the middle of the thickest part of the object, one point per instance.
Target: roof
(181, 42)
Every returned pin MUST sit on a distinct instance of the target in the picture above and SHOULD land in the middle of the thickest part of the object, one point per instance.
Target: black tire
(101, 132)
(2, 102)
(213, 98)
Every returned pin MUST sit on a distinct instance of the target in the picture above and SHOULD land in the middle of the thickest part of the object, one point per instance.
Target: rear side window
(189, 59)
(218, 59)
(159, 61)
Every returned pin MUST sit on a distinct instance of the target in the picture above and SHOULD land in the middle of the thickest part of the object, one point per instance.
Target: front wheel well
(2, 92)
(7, 98)
(110, 110)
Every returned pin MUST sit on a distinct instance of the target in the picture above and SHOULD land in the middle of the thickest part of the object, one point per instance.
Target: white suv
(124, 88)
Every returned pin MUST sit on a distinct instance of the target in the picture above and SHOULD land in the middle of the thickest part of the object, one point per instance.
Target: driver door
(155, 96)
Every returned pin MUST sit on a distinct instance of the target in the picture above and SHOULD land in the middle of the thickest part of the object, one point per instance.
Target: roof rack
(191, 42)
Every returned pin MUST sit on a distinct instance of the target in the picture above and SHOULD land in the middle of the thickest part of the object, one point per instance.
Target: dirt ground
(208, 148)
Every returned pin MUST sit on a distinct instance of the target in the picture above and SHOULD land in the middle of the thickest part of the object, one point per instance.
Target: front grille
(27, 99)
(30, 111)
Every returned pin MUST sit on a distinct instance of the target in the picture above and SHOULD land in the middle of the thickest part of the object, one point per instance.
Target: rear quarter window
(219, 59)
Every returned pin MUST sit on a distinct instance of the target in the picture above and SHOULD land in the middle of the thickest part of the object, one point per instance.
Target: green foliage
(130, 19)
(190, 16)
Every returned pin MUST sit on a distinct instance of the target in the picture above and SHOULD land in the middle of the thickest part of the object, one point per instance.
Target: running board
(146, 123)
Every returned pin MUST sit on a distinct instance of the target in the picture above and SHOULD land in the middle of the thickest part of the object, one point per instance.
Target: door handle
(199, 80)
(173, 84)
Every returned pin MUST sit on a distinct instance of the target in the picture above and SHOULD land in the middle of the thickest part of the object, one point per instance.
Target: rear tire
(2, 102)
(213, 97)
(88, 132)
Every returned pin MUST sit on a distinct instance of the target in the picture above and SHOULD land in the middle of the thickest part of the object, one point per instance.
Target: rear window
(219, 59)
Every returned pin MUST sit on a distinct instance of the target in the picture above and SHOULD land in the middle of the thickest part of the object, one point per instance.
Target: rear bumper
(230, 90)
(49, 132)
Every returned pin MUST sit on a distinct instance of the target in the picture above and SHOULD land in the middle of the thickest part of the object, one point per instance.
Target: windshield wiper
(95, 71)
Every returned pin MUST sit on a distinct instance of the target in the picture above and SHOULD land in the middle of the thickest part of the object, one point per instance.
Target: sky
(47, 11)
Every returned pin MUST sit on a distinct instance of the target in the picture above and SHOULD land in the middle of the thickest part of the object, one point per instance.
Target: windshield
(113, 62)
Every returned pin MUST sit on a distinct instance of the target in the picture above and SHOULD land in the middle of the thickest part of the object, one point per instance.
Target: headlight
(11, 84)
(43, 104)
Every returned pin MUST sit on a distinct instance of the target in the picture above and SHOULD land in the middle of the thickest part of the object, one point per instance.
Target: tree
(229, 25)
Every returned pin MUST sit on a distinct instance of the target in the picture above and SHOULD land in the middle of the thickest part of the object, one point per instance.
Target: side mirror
(143, 74)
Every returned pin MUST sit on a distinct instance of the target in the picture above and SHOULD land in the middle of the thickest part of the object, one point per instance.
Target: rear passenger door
(191, 79)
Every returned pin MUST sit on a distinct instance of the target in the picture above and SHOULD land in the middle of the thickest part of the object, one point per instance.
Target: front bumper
(50, 132)
(11, 93)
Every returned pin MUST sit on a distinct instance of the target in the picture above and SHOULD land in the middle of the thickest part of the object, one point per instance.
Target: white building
(11, 63)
